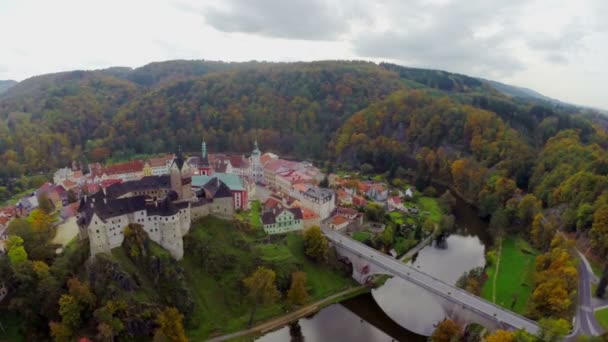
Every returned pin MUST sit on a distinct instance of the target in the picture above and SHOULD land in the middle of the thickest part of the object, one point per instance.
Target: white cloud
(556, 47)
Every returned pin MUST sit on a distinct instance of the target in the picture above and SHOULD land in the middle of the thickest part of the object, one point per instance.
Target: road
(433, 285)
(585, 322)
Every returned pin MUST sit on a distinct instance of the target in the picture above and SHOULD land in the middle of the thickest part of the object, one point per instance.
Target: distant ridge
(6, 84)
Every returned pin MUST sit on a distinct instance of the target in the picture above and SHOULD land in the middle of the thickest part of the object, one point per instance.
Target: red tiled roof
(338, 220)
(308, 214)
(160, 161)
(396, 199)
(68, 184)
(347, 211)
(106, 183)
(77, 174)
(128, 167)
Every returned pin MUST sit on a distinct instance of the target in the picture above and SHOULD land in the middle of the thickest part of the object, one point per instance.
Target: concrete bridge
(460, 306)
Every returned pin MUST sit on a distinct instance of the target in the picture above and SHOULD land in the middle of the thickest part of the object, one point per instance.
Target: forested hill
(292, 108)
(5, 84)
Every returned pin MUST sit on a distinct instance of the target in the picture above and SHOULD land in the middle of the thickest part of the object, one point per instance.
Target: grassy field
(362, 236)
(252, 215)
(515, 279)
(431, 205)
(221, 306)
(602, 317)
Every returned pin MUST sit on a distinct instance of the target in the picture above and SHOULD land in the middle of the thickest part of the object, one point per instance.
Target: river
(398, 310)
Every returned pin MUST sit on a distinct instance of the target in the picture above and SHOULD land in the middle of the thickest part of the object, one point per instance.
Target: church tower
(256, 164)
(205, 167)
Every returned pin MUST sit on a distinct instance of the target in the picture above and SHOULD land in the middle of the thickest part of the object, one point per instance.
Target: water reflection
(413, 307)
(334, 323)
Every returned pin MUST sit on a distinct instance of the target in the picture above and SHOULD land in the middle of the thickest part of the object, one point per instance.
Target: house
(132, 170)
(359, 201)
(338, 222)
(158, 166)
(282, 220)
(267, 157)
(344, 197)
(310, 217)
(409, 193)
(234, 182)
(377, 192)
(395, 203)
(274, 167)
(271, 203)
(69, 211)
(320, 200)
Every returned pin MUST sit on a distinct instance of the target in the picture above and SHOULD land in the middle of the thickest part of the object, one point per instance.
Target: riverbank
(278, 322)
(220, 255)
(510, 279)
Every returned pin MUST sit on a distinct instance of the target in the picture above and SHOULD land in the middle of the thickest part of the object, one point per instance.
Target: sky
(559, 48)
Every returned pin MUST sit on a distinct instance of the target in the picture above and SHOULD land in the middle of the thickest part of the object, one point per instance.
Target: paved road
(585, 322)
(433, 285)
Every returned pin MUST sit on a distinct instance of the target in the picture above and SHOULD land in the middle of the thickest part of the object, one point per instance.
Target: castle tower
(181, 176)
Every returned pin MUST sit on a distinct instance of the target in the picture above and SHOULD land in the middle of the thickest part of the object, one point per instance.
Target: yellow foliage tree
(170, 326)
(297, 294)
(501, 336)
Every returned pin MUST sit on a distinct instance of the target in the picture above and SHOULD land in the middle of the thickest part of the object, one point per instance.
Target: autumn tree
(447, 331)
(297, 294)
(45, 204)
(315, 244)
(528, 207)
(501, 336)
(599, 231)
(552, 330)
(170, 326)
(542, 231)
(60, 332)
(262, 289)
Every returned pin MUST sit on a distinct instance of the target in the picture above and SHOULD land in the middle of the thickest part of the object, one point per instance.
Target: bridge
(367, 262)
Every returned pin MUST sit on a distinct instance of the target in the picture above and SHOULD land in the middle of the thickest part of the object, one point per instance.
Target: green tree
(297, 294)
(599, 231)
(367, 169)
(552, 330)
(170, 326)
(45, 204)
(261, 288)
(388, 235)
(315, 244)
(16, 251)
(69, 309)
(528, 207)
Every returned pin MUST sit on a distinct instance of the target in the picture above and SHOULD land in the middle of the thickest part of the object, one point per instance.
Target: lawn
(221, 307)
(252, 215)
(602, 317)
(362, 236)
(431, 205)
(515, 279)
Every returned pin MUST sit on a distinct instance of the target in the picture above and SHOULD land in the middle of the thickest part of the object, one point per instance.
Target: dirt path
(287, 318)
(496, 271)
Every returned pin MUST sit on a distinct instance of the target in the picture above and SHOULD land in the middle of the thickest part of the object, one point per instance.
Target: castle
(163, 205)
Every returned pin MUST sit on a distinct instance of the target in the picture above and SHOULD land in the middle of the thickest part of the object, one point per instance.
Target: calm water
(398, 310)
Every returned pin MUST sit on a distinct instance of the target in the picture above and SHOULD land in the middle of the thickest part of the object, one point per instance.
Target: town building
(132, 170)
(255, 163)
(320, 200)
(338, 222)
(282, 220)
(163, 205)
(158, 166)
(235, 183)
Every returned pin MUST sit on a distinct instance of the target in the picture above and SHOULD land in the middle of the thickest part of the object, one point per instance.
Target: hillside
(6, 84)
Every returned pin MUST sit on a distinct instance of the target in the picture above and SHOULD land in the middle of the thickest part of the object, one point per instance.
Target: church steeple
(204, 150)
(256, 149)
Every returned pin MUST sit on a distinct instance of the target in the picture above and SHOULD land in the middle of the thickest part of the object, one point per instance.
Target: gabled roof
(339, 220)
(160, 161)
(233, 181)
(269, 217)
(122, 168)
(347, 211)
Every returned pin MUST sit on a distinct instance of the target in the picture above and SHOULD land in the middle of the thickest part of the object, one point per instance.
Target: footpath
(287, 318)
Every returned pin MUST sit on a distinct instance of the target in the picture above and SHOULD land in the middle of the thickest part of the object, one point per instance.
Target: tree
(552, 330)
(501, 336)
(599, 231)
(315, 244)
(447, 331)
(262, 289)
(388, 235)
(367, 169)
(60, 332)
(499, 221)
(528, 207)
(447, 201)
(16, 251)
(69, 309)
(297, 294)
(45, 204)
(170, 326)
(543, 230)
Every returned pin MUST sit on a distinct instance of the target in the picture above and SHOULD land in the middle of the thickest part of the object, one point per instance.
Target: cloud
(293, 19)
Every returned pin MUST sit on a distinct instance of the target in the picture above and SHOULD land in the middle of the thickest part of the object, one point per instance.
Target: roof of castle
(233, 181)
(146, 183)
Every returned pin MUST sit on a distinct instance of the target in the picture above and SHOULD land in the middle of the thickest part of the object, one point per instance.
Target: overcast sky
(559, 48)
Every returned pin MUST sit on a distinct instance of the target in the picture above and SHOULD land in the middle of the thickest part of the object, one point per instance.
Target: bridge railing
(336, 238)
